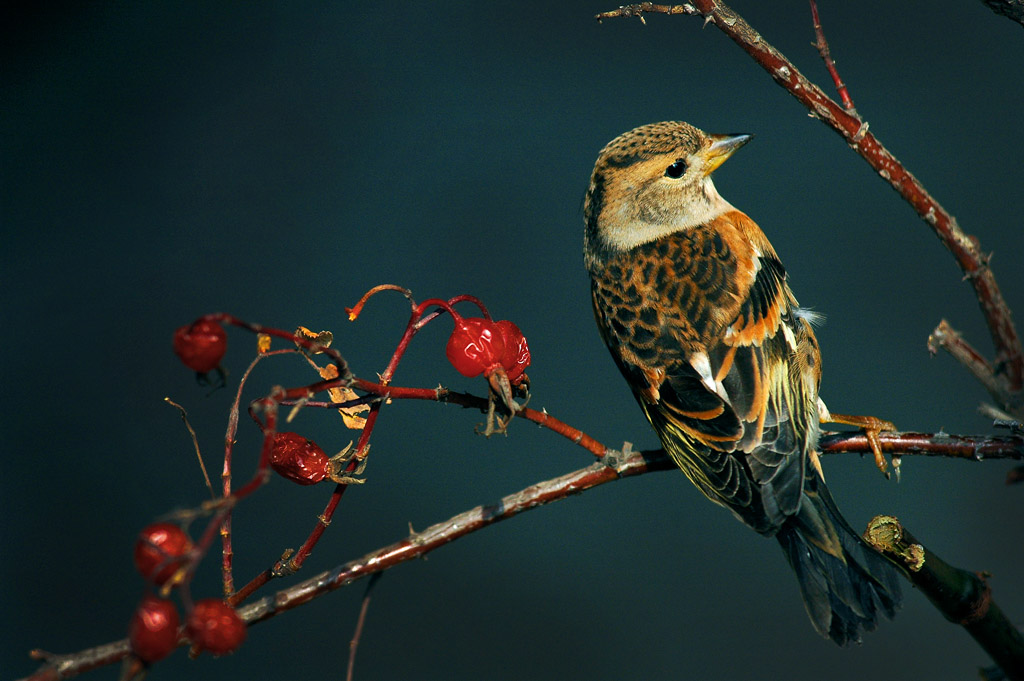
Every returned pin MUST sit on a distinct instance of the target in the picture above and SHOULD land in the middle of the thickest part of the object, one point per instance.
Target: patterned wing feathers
(701, 323)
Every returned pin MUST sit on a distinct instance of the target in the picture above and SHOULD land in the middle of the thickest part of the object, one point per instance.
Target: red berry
(475, 345)
(201, 345)
(159, 551)
(517, 352)
(214, 625)
(298, 459)
(153, 631)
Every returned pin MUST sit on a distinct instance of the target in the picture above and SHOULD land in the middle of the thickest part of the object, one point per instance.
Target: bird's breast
(687, 285)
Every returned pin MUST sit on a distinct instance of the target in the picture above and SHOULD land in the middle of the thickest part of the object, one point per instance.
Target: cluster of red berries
(161, 552)
(477, 345)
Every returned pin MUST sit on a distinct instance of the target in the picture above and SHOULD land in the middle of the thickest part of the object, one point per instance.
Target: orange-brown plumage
(692, 301)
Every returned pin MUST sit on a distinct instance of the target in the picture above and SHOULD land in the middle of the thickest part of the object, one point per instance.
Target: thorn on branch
(614, 458)
(863, 130)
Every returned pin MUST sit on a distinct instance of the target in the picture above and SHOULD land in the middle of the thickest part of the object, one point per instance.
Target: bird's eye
(676, 170)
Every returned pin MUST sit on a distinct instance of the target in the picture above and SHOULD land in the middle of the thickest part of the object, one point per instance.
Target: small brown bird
(693, 303)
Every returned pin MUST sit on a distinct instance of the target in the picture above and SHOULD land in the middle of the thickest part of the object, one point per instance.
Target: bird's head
(653, 181)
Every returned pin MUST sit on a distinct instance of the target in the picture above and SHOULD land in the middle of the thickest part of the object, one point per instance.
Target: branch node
(614, 458)
(885, 534)
(861, 131)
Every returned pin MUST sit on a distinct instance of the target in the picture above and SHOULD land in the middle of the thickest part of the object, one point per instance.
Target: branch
(963, 597)
(1011, 9)
(353, 645)
(541, 418)
(830, 64)
(949, 339)
(613, 466)
(969, 447)
(1008, 368)
(416, 545)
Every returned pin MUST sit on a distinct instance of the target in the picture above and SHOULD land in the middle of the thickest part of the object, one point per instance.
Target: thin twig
(195, 444)
(541, 418)
(637, 10)
(830, 64)
(227, 552)
(949, 339)
(968, 447)
(354, 643)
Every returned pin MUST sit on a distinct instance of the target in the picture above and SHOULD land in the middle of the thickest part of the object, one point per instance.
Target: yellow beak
(721, 149)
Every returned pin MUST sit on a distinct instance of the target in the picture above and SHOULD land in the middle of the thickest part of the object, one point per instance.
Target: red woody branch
(1006, 379)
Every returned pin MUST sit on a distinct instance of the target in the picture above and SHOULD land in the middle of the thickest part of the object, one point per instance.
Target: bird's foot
(872, 427)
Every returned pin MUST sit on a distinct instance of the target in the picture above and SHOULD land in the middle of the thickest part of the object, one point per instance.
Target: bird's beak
(721, 149)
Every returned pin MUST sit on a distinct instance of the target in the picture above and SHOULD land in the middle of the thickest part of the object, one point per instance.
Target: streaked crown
(652, 181)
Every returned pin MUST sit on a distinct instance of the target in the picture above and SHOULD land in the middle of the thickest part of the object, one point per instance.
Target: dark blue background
(163, 160)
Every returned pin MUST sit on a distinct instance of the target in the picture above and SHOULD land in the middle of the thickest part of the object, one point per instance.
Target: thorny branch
(613, 466)
(1007, 371)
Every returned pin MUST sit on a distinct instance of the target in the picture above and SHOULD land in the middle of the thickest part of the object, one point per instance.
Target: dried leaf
(319, 340)
(351, 415)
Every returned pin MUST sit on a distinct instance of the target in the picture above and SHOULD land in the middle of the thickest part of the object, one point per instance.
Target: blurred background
(162, 160)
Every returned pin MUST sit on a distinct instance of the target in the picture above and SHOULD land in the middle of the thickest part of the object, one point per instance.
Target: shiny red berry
(159, 551)
(201, 345)
(475, 346)
(517, 353)
(298, 459)
(153, 632)
(214, 626)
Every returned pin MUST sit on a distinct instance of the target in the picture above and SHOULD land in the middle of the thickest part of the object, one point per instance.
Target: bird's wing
(703, 326)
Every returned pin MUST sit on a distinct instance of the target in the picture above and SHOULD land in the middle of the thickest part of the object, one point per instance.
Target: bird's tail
(844, 582)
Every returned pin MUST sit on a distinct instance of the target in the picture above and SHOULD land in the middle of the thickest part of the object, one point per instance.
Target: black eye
(676, 170)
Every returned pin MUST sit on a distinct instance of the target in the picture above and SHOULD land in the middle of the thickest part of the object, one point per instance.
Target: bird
(694, 304)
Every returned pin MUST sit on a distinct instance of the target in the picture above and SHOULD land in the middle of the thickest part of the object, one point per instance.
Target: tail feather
(846, 585)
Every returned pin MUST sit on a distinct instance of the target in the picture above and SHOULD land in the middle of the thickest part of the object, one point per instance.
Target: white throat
(626, 229)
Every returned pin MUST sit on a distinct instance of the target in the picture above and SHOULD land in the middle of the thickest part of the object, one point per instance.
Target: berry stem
(355, 310)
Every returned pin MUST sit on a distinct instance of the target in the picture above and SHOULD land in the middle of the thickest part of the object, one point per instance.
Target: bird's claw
(871, 426)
